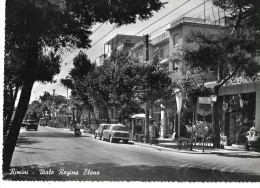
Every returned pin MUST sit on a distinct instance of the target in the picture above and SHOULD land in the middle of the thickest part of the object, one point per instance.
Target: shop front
(241, 110)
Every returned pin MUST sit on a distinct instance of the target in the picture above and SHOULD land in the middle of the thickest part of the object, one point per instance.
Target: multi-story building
(168, 46)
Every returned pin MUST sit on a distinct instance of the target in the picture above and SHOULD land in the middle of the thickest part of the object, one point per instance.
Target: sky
(171, 11)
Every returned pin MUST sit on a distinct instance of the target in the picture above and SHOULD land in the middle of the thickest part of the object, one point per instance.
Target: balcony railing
(138, 43)
(220, 22)
(160, 38)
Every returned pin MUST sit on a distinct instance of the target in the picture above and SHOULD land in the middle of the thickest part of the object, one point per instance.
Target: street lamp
(178, 96)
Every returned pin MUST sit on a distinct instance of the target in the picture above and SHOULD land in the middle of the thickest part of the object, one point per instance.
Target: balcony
(161, 39)
(209, 76)
(138, 44)
(221, 22)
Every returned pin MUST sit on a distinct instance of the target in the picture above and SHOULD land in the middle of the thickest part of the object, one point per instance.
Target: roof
(118, 125)
(123, 38)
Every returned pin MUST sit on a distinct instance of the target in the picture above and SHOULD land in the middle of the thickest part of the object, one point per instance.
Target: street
(55, 154)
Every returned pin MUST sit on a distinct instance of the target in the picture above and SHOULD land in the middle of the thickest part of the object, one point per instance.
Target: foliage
(36, 30)
(234, 53)
(245, 13)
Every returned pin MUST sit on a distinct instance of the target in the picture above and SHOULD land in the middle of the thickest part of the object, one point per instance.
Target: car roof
(104, 124)
(118, 125)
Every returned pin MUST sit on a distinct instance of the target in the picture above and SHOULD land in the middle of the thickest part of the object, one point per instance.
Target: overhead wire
(139, 31)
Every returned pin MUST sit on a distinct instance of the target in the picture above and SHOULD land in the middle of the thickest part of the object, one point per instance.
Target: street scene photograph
(146, 91)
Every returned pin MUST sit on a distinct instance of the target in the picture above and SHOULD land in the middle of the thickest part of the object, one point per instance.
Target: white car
(115, 133)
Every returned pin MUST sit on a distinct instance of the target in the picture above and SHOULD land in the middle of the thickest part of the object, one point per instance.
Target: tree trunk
(10, 114)
(216, 128)
(147, 123)
(12, 137)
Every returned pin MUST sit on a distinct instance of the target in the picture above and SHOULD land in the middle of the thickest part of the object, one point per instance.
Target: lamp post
(178, 96)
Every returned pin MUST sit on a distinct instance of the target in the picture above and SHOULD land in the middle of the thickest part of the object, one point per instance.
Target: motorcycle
(78, 132)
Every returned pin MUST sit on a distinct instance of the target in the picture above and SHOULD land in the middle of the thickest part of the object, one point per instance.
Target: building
(168, 45)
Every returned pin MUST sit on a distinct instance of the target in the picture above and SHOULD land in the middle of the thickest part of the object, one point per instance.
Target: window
(162, 53)
(175, 67)
(175, 39)
(120, 128)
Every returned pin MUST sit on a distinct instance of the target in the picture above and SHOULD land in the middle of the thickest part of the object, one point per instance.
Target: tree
(243, 13)
(12, 84)
(36, 30)
(231, 53)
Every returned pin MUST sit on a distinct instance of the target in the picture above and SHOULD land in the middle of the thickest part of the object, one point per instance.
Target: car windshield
(120, 128)
(31, 121)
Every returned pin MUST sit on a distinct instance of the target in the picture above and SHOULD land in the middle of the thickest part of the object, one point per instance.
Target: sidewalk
(169, 145)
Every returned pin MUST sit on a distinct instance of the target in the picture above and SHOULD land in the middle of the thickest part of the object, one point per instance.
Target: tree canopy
(38, 31)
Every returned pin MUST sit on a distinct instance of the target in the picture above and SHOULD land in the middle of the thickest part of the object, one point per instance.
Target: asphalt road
(55, 154)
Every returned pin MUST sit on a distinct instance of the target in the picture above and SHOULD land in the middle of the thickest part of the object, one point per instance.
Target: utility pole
(147, 48)
(53, 94)
(146, 104)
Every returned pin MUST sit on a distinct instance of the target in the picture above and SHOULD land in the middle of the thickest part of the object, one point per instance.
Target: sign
(214, 98)
(204, 100)
(204, 106)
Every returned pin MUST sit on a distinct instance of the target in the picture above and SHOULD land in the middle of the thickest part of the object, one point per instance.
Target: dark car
(115, 133)
(99, 131)
(31, 124)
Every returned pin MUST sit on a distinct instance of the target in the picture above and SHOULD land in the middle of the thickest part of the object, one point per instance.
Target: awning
(164, 61)
(139, 116)
(210, 84)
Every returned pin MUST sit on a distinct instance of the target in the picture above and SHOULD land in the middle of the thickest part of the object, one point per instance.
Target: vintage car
(31, 124)
(99, 131)
(115, 133)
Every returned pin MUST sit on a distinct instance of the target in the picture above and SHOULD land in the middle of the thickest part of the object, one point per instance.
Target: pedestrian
(153, 132)
(77, 127)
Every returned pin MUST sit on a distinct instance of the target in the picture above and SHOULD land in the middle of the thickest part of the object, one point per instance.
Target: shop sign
(204, 106)
(204, 100)
(214, 98)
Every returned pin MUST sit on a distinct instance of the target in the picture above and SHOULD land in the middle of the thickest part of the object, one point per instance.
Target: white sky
(131, 29)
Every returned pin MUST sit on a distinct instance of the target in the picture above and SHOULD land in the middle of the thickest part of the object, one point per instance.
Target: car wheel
(36, 129)
(125, 141)
(111, 140)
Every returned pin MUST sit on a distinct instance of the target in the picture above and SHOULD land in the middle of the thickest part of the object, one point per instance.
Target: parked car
(99, 131)
(115, 133)
(31, 124)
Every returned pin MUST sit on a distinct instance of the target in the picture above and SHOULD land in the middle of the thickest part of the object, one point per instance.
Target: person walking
(153, 132)
(77, 127)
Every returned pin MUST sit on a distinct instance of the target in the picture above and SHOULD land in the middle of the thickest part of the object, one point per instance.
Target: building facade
(168, 45)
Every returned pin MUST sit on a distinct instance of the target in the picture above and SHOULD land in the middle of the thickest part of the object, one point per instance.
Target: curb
(197, 151)
(158, 147)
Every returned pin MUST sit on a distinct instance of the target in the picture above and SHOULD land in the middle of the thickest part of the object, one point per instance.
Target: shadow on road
(26, 141)
(237, 154)
(53, 135)
(73, 171)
